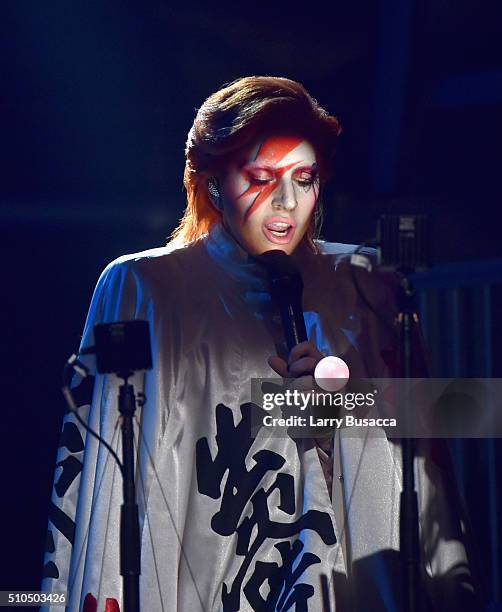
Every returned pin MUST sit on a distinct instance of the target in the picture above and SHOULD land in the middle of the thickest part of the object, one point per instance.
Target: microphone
(286, 287)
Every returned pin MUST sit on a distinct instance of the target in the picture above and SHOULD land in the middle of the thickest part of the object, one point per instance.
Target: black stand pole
(129, 522)
(408, 526)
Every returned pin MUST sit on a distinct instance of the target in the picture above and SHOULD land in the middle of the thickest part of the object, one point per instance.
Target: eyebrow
(311, 168)
(252, 165)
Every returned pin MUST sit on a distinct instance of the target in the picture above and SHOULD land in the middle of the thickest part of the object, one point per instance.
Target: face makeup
(269, 194)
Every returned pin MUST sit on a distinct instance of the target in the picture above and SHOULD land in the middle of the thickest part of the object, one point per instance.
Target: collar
(228, 254)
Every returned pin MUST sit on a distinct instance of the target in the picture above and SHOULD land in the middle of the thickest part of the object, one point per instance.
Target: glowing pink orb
(331, 373)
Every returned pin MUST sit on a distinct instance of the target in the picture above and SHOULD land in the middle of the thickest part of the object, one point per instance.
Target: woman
(229, 521)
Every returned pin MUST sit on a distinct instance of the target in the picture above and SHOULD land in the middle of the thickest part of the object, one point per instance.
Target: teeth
(277, 233)
(278, 226)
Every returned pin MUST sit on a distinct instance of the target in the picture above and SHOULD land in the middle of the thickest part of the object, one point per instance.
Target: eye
(305, 178)
(260, 177)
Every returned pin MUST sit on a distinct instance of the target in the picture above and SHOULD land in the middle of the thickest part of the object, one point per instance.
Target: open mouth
(279, 231)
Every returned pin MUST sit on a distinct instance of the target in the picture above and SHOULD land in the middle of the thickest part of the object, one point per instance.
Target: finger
(279, 366)
(299, 350)
(304, 349)
(302, 367)
(303, 383)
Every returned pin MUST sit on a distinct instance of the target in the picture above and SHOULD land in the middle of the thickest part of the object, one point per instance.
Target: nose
(284, 195)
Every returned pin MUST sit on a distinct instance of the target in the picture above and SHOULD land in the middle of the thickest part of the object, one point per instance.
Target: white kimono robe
(230, 522)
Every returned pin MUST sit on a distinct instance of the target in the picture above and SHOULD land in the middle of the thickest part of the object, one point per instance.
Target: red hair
(234, 117)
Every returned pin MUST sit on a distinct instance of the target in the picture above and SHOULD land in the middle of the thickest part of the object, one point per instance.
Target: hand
(301, 364)
(302, 361)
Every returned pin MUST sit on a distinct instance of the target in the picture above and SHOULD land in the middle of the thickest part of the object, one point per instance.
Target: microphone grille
(283, 273)
(278, 263)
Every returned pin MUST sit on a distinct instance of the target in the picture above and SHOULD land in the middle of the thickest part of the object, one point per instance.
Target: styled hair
(234, 117)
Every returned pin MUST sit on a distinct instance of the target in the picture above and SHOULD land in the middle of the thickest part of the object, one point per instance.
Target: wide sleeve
(452, 576)
(87, 480)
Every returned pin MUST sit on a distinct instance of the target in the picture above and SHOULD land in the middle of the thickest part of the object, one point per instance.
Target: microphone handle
(293, 323)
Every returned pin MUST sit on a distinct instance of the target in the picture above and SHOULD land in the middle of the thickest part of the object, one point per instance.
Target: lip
(279, 239)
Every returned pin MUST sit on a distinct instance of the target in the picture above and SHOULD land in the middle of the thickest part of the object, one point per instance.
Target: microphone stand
(121, 348)
(408, 524)
(130, 557)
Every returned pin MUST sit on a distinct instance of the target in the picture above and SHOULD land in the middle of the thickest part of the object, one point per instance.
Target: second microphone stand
(408, 525)
(130, 554)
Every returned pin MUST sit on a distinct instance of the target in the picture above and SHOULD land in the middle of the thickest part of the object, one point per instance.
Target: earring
(212, 187)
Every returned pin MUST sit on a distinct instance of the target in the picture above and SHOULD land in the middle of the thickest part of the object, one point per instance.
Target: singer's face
(269, 193)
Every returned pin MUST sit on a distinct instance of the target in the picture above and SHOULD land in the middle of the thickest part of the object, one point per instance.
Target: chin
(259, 246)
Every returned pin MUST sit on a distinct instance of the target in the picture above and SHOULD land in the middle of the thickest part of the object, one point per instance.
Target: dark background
(96, 100)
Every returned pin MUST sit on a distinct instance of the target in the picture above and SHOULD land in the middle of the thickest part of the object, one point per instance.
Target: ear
(213, 190)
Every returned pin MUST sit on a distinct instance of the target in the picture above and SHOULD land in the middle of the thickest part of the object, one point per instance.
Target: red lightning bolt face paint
(269, 194)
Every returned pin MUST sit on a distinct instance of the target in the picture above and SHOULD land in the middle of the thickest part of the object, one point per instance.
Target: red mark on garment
(112, 605)
(91, 604)
(270, 154)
